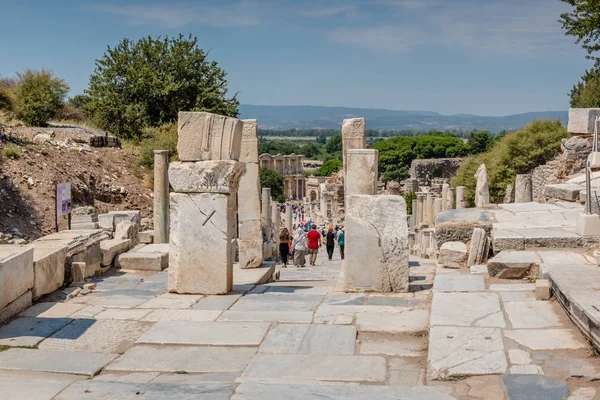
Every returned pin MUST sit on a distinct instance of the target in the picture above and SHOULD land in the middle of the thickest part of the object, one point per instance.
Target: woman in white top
(300, 245)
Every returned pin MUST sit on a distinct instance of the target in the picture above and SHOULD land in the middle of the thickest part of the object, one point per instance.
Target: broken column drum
(161, 196)
(203, 205)
(460, 197)
(523, 189)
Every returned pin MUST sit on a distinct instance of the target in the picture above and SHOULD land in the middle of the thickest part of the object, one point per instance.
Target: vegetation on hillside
(143, 83)
(272, 179)
(515, 153)
(163, 137)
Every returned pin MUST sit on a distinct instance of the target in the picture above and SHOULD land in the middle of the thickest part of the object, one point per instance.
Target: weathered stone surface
(205, 136)
(563, 191)
(523, 188)
(52, 310)
(262, 391)
(467, 309)
(16, 272)
(146, 237)
(76, 363)
(249, 146)
(532, 387)
(92, 257)
(406, 372)
(526, 369)
(517, 356)
(361, 172)
(353, 136)
(255, 276)
(399, 346)
(200, 256)
(28, 331)
(377, 243)
(217, 302)
(542, 289)
(170, 300)
(546, 339)
(400, 321)
(144, 261)
(213, 176)
(458, 283)
(18, 305)
(310, 339)
(31, 389)
(192, 359)
(125, 230)
(510, 264)
(117, 313)
(482, 190)
(457, 352)
(111, 248)
(307, 367)
(453, 254)
(206, 333)
(582, 120)
(48, 268)
(479, 248)
(531, 314)
(457, 225)
(182, 315)
(97, 390)
(249, 223)
(298, 317)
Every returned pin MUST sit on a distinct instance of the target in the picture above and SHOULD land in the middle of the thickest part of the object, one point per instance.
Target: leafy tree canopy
(272, 179)
(329, 167)
(334, 144)
(38, 96)
(147, 82)
(583, 22)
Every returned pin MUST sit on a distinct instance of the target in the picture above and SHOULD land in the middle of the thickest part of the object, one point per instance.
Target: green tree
(38, 96)
(310, 150)
(583, 22)
(586, 93)
(272, 179)
(478, 142)
(321, 139)
(147, 82)
(408, 198)
(334, 144)
(329, 167)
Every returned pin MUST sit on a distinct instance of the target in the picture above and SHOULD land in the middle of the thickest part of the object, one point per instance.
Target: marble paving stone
(401, 346)
(517, 356)
(517, 296)
(346, 299)
(513, 287)
(29, 331)
(191, 359)
(206, 333)
(273, 302)
(458, 283)
(88, 312)
(534, 387)
(461, 351)
(467, 309)
(171, 300)
(52, 310)
(531, 314)
(182, 315)
(60, 362)
(584, 393)
(302, 317)
(117, 313)
(135, 377)
(31, 389)
(217, 302)
(546, 339)
(393, 301)
(401, 321)
(194, 379)
(308, 368)
(263, 391)
(102, 335)
(479, 269)
(310, 339)
(96, 390)
(406, 372)
(526, 369)
(278, 289)
(122, 301)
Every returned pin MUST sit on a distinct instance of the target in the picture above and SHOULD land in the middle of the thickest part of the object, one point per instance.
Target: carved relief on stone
(206, 136)
(218, 176)
(353, 128)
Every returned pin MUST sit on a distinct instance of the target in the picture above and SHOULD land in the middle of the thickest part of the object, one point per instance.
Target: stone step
(563, 191)
(254, 276)
(60, 362)
(16, 272)
(84, 218)
(146, 237)
(512, 264)
(152, 257)
(526, 238)
(112, 248)
(84, 225)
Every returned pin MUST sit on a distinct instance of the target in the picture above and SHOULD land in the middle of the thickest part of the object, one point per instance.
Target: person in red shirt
(314, 242)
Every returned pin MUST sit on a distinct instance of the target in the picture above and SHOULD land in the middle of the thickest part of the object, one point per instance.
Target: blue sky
(486, 57)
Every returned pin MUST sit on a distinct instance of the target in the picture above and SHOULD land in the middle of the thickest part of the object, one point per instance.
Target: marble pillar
(361, 172)
(161, 196)
(445, 188)
(460, 197)
(523, 189)
(450, 199)
(429, 209)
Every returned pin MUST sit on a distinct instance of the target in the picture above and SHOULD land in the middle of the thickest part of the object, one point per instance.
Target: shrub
(515, 153)
(272, 179)
(161, 138)
(39, 96)
(7, 88)
(12, 151)
(409, 197)
(329, 167)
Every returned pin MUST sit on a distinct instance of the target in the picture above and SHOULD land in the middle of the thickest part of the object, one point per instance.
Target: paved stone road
(295, 339)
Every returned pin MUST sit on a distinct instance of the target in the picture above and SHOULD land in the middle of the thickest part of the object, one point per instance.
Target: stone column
(429, 209)
(265, 213)
(203, 204)
(275, 228)
(523, 189)
(460, 197)
(353, 137)
(437, 208)
(413, 217)
(289, 218)
(482, 191)
(445, 188)
(450, 199)
(161, 196)
(249, 223)
(420, 208)
(361, 172)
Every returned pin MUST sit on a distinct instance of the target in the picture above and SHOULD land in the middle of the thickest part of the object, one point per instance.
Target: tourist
(314, 242)
(284, 246)
(330, 242)
(299, 246)
(340, 239)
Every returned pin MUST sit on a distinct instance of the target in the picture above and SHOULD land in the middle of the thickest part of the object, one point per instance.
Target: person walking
(284, 246)
(299, 244)
(314, 242)
(330, 242)
(340, 239)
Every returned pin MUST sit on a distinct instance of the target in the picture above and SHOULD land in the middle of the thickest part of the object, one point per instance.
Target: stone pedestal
(420, 208)
(437, 208)
(450, 199)
(588, 225)
(460, 197)
(353, 137)
(376, 244)
(582, 120)
(480, 247)
(361, 172)
(445, 188)
(161, 196)
(289, 219)
(523, 189)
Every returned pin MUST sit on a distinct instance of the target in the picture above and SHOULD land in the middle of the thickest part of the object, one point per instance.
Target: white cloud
(176, 16)
(330, 11)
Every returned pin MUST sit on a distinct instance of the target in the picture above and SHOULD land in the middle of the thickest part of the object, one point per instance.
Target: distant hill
(307, 117)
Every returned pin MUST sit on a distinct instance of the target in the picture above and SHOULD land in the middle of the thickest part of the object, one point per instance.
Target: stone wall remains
(427, 169)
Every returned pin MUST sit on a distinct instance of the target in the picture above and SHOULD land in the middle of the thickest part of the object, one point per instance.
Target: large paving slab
(310, 339)
(29, 331)
(102, 335)
(191, 359)
(96, 390)
(31, 389)
(206, 333)
(467, 309)
(52, 310)
(512, 264)
(458, 283)
(301, 317)
(533, 387)
(401, 321)
(546, 339)
(61, 362)
(310, 368)
(277, 302)
(262, 391)
(531, 315)
(217, 302)
(182, 315)
(456, 352)
(393, 345)
(170, 300)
